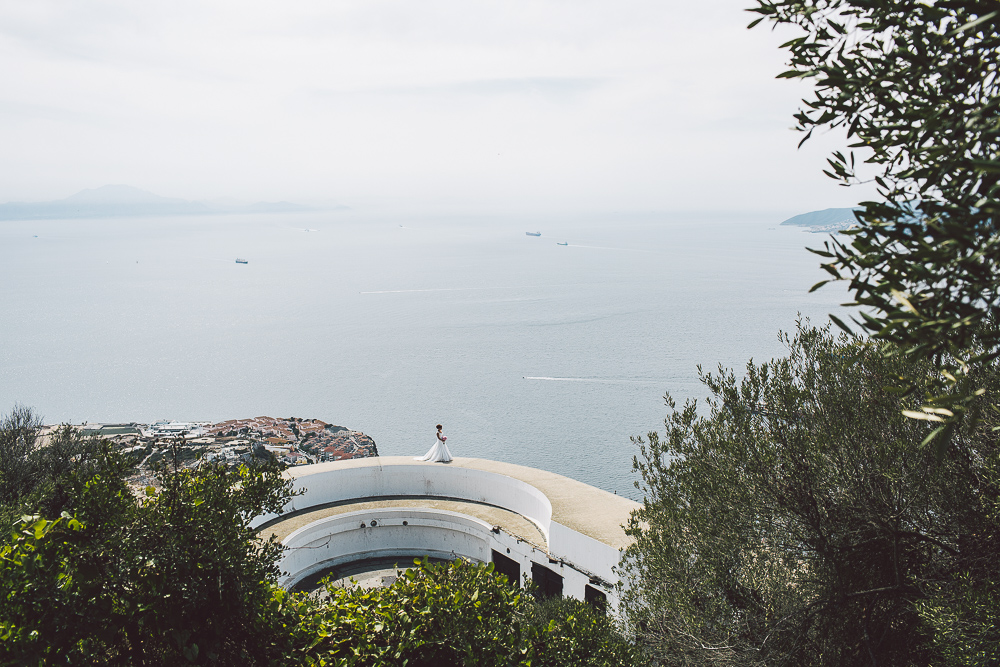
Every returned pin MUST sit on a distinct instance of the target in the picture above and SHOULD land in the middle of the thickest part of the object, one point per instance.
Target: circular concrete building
(563, 534)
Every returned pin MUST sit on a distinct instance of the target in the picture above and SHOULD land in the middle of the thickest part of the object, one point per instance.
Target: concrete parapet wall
(381, 533)
(333, 482)
(580, 560)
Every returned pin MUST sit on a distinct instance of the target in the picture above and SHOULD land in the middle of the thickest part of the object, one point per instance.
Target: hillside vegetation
(795, 519)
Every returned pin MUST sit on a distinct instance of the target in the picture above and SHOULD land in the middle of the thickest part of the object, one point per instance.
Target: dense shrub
(801, 521)
(457, 613)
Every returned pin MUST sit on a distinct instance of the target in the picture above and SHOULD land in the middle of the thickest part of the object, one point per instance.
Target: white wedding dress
(438, 453)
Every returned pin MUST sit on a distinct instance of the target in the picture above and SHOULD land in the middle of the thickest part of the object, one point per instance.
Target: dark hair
(440, 427)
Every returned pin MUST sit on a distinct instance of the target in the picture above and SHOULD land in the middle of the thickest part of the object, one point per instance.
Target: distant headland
(125, 201)
(827, 220)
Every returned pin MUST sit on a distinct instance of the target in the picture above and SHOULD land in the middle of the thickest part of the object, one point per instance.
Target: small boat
(533, 233)
(561, 243)
(242, 261)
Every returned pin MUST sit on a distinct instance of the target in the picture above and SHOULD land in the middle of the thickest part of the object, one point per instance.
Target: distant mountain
(117, 195)
(107, 201)
(126, 201)
(827, 220)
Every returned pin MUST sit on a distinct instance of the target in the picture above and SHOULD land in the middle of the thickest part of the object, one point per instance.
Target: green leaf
(924, 416)
(974, 23)
(836, 320)
(818, 285)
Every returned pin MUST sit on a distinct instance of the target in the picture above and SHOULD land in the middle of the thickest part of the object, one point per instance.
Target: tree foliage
(162, 576)
(18, 435)
(34, 475)
(435, 614)
(797, 523)
(457, 613)
(915, 85)
(563, 632)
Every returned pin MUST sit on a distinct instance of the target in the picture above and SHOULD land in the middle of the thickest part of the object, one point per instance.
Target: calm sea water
(527, 351)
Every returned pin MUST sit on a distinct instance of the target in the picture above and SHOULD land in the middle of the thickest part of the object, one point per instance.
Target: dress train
(438, 453)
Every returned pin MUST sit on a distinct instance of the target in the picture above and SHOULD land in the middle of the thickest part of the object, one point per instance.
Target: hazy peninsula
(827, 220)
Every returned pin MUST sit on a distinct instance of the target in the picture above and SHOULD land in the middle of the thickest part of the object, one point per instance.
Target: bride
(439, 452)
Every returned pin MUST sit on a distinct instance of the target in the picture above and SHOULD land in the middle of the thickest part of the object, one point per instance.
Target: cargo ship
(533, 233)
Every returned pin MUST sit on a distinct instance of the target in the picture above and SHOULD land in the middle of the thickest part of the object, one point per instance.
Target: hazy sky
(505, 105)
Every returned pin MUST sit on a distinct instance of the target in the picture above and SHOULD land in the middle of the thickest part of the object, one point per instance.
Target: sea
(550, 351)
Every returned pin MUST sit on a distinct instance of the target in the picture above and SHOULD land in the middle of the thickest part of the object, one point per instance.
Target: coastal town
(292, 440)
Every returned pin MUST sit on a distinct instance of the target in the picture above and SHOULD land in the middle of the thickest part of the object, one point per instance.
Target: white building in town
(565, 535)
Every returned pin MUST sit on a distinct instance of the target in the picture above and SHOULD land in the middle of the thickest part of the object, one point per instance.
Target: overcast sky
(506, 105)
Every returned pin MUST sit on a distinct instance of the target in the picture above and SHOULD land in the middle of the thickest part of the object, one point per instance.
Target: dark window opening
(508, 567)
(549, 583)
(596, 598)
